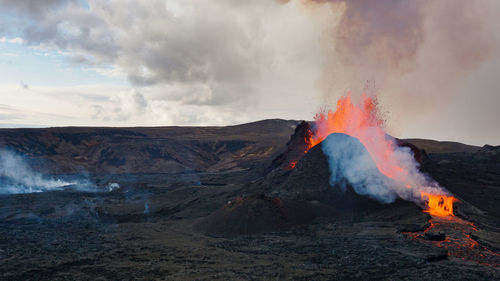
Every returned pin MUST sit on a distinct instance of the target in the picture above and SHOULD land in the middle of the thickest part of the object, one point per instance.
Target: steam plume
(378, 34)
(420, 53)
(16, 176)
(350, 163)
(361, 154)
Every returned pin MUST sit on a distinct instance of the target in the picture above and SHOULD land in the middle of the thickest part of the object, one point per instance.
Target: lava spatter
(362, 121)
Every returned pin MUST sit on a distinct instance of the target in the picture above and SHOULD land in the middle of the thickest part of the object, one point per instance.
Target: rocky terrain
(143, 150)
(223, 203)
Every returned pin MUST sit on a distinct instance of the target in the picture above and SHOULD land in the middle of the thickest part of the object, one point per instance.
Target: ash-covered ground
(222, 203)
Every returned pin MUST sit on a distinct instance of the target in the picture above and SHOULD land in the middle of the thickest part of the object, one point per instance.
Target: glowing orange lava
(362, 121)
(291, 165)
(458, 241)
(439, 205)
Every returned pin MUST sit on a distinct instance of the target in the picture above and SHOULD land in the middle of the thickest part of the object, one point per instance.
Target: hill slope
(149, 149)
(433, 146)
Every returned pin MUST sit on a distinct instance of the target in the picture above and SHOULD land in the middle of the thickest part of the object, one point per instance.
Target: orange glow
(363, 122)
(291, 165)
(458, 241)
(439, 205)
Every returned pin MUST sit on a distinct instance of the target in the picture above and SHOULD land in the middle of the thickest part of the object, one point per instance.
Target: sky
(434, 65)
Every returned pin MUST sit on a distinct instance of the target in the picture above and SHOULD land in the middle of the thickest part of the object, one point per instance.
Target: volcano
(289, 198)
(225, 203)
(344, 166)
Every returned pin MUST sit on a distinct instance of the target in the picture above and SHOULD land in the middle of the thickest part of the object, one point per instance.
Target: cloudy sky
(434, 64)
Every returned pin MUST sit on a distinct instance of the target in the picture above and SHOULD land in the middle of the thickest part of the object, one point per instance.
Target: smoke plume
(423, 55)
(384, 35)
(351, 164)
(16, 176)
(361, 154)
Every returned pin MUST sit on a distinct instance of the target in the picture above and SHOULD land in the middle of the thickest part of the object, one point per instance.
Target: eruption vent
(439, 205)
(362, 121)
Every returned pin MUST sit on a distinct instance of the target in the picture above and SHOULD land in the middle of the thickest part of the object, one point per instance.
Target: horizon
(69, 63)
(238, 124)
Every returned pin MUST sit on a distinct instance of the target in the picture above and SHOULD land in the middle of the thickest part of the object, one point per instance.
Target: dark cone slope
(289, 198)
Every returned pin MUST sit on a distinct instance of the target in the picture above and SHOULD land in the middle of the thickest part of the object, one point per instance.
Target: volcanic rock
(433, 146)
(435, 236)
(489, 153)
(296, 148)
(310, 179)
(137, 150)
(287, 199)
(258, 214)
(420, 155)
(76, 235)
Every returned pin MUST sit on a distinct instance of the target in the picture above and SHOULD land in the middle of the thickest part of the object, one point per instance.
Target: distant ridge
(433, 146)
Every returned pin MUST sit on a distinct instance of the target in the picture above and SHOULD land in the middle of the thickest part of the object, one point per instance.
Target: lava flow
(439, 205)
(363, 122)
(457, 241)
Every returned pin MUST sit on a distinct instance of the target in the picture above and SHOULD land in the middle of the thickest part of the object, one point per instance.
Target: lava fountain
(363, 122)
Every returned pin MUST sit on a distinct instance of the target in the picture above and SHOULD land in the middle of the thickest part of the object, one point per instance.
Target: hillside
(433, 146)
(149, 149)
(223, 203)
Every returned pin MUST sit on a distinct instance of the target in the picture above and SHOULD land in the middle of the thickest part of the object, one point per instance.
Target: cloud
(16, 40)
(421, 55)
(221, 62)
(382, 34)
(155, 43)
(104, 105)
(126, 105)
(24, 85)
(199, 55)
(33, 8)
(13, 55)
(14, 116)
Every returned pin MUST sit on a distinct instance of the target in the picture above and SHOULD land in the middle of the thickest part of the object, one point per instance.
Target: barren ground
(172, 179)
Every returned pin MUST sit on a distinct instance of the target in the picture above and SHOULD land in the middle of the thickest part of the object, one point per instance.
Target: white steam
(112, 186)
(16, 176)
(350, 163)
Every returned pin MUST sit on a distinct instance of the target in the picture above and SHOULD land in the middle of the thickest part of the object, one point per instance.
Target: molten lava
(291, 165)
(362, 121)
(439, 205)
(458, 241)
